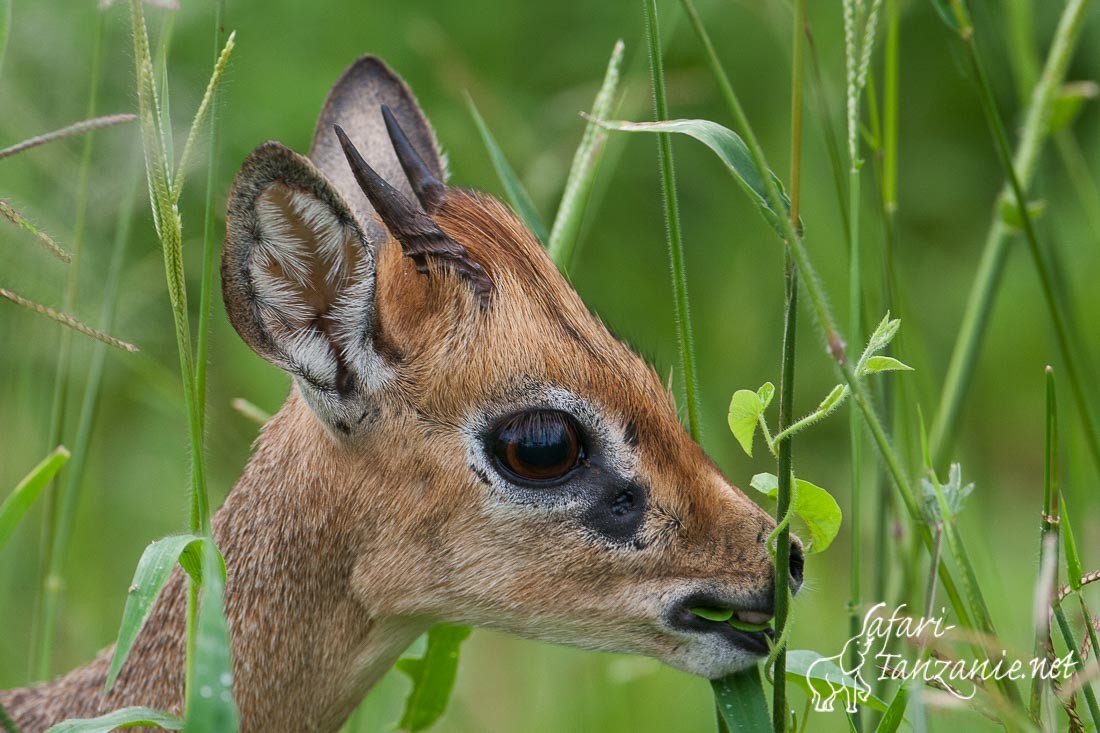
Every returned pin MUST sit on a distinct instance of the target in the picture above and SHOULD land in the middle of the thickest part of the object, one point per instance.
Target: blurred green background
(531, 67)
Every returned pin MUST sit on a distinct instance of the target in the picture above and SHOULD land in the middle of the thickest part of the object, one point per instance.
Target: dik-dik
(463, 441)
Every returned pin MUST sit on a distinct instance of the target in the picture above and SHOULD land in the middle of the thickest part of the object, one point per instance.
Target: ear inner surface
(355, 103)
(298, 277)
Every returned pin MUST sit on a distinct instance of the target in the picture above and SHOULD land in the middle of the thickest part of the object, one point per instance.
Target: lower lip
(754, 642)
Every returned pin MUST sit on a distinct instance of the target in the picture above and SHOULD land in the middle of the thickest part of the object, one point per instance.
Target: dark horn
(418, 234)
(429, 190)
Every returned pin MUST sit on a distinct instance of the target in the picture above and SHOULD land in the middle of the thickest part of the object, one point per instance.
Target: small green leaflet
(884, 364)
(210, 707)
(123, 718)
(1010, 212)
(815, 506)
(433, 677)
(740, 701)
(22, 497)
(812, 671)
(153, 571)
(745, 410)
(732, 150)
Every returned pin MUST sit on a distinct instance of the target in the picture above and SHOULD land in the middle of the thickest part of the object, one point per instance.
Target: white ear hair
(298, 280)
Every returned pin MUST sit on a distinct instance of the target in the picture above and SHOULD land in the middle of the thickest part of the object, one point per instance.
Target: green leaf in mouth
(713, 614)
(742, 626)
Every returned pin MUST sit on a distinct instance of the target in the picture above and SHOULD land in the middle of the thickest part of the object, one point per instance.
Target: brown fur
(343, 545)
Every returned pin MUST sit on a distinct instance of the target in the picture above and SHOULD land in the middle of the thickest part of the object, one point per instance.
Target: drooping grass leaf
(210, 707)
(20, 500)
(740, 701)
(812, 504)
(513, 189)
(582, 174)
(746, 407)
(731, 149)
(813, 672)
(77, 128)
(123, 718)
(433, 677)
(152, 573)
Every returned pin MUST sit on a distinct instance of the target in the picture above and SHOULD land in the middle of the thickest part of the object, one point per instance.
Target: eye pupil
(540, 445)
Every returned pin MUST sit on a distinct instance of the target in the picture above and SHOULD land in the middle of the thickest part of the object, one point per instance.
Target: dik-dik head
(535, 476)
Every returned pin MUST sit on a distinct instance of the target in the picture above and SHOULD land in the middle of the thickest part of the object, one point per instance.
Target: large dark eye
(540, 445)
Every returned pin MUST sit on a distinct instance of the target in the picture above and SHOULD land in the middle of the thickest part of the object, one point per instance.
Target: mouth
(746, 626)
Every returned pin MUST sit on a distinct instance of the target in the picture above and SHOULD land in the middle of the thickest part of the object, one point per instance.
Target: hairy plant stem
(970, 618)
(1019, 172)
(785, 467)
(684, 335)
(53, 546)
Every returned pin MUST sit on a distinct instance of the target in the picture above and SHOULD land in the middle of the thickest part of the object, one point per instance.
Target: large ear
(298, 279)
(355, 104)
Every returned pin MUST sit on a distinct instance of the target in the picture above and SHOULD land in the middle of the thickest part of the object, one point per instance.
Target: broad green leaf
(884, 364)
(433, 677)
(122, 718)
(731, 149)
(1073, 559)
(153, 570)
(765, 393)
(1068, 103)
(513, 189)
(813, 505)
(713, 614)
(582, 173)
(740, 701)
(210, 706)
(745, 410)
(1010, 212)
(20, 500)
(812, 671)
(895, 712)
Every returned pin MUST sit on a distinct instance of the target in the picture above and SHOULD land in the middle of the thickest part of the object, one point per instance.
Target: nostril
(798, 563)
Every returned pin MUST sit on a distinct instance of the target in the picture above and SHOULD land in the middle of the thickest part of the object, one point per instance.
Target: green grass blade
(513, 189)
(44, 239)
(152, 573)
(732, 151)
(124, 718)
(211, 707)
(895, 712)
(582, 174)
(77, 128)
(433, 677)
(740, 701)
(200, 114)
(20, 500)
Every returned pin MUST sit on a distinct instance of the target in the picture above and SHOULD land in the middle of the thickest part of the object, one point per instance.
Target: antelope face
(536, 476)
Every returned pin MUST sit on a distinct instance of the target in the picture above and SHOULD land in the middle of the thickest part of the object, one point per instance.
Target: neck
(305, 651)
